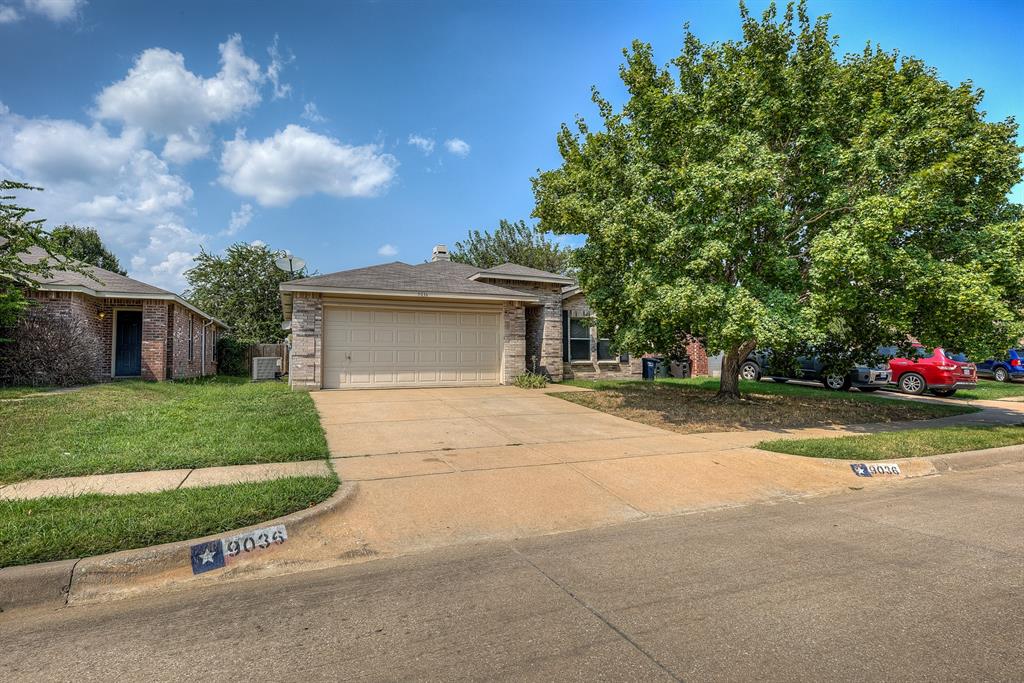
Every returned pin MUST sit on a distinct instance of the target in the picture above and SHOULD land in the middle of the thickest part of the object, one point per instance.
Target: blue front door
(128, 344)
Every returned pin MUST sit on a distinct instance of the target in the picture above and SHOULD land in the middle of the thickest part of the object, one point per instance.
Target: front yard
(60, 528)
(133, 426)
(683, 405)
(136, 426)
(911, 443)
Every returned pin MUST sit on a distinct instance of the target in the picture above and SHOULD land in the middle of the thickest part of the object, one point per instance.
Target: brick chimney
(440, 253)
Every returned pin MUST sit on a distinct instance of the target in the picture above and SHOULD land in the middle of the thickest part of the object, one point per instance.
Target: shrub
(530, 380)
(231, 357)
(50, 351)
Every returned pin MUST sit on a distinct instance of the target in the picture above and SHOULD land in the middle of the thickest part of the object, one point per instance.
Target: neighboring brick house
(142, 331)
(441, 323)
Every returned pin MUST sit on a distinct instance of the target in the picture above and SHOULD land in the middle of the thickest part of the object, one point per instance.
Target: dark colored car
(812, 368)
(936, 371)
(1006, 369)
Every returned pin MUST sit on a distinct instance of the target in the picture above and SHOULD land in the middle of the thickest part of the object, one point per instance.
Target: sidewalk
(161, 480)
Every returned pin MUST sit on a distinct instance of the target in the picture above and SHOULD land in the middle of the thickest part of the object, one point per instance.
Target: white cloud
(297, 162)
(387, 250)
(114, 183)
(425, 145)
(8, 15)
(239, 219)
(457, 147)
(55, 10)
(258, 243)
(277, 65)
(166, 256)
(312, 114)
(162, 97)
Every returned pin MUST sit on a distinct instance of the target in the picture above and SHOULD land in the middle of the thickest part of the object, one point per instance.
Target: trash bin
(650, 367)
(679, 369)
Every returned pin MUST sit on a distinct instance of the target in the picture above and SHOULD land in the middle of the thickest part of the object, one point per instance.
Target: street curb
(57, 584)
(975, 460)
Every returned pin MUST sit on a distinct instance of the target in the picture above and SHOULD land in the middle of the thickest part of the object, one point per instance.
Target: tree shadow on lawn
(691, 410)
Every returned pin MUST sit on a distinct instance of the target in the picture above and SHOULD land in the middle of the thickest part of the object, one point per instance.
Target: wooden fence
(258, 350)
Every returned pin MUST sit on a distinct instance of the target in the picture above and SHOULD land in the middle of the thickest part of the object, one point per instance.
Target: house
(143, 331)
(442, 323)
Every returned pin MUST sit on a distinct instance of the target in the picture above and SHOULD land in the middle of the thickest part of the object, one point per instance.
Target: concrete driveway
(445, 466)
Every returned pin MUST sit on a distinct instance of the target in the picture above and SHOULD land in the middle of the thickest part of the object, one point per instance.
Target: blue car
(1005, 369)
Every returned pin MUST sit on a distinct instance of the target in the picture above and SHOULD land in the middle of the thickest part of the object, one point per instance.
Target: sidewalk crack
(603, 619)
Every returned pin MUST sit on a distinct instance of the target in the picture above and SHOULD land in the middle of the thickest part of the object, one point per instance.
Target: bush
(231, 357)
(50, 352)
(530, 380)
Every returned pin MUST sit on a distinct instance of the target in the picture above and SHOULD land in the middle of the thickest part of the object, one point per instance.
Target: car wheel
(912, 383)
(943, 392)
(1001, 375)
(750, 371)
(836, 382)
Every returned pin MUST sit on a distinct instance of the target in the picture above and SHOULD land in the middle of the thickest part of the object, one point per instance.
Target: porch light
(101, 315)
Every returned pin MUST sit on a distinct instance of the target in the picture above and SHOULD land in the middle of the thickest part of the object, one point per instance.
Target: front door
(128, 344)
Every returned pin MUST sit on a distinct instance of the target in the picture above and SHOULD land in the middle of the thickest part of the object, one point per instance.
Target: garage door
(369, 347)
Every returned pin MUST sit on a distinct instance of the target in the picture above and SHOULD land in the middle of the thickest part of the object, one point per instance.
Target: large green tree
(511, 243)
(84, 244)
(762, 192)
(241, 288)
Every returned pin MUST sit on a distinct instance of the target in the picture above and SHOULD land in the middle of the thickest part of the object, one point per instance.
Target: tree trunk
(729, 385)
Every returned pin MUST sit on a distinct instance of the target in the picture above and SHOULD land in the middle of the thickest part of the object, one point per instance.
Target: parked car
(936, 371)
(1006, 369)
(812, 368)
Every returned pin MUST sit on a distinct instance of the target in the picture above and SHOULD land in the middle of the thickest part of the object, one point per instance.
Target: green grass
(912, 443)
(684, 405)
(134, 426)
(988, 390)
(18, 392)
(49, 529)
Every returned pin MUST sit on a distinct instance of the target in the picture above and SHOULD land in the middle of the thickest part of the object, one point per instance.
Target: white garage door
(370, 347)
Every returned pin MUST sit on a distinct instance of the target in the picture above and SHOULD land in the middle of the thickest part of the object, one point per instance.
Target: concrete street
(921, 581)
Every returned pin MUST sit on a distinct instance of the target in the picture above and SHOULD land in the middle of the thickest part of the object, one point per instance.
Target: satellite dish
(289, 263)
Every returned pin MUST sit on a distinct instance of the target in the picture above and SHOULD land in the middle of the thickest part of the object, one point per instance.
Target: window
(191, 338)
(604, 350)
(579, 339)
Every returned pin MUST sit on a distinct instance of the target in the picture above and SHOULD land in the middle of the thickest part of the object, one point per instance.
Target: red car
(938, 372)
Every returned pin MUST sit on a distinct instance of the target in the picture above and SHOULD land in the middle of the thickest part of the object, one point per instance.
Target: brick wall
(183, 367)
(98, 314)
(577, 307)
(154, 340)
(513, 344)
(543, 325)
(307, 328)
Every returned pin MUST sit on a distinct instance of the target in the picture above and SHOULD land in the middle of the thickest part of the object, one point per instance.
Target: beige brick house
(143, 331)
(441, 323)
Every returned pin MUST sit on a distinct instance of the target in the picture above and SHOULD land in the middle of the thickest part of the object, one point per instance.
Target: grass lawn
(132, 425)
(18, 392)
(683, 405)
(61, 528)
(912, 443)
(989, 390)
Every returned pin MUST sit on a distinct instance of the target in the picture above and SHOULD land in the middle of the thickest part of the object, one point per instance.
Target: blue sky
(360, 132)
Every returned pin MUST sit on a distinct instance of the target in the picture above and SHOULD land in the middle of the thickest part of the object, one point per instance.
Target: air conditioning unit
(265, 367)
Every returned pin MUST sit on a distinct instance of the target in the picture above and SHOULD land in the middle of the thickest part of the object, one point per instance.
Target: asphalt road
(919, 581)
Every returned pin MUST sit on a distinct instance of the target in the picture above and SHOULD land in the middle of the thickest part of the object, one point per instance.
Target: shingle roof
(106, 283)
(101, 280)
(436, 277)
(525, 271)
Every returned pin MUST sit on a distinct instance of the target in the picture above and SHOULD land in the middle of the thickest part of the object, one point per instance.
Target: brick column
(154, 340)
(513, 344)
(304, 368)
